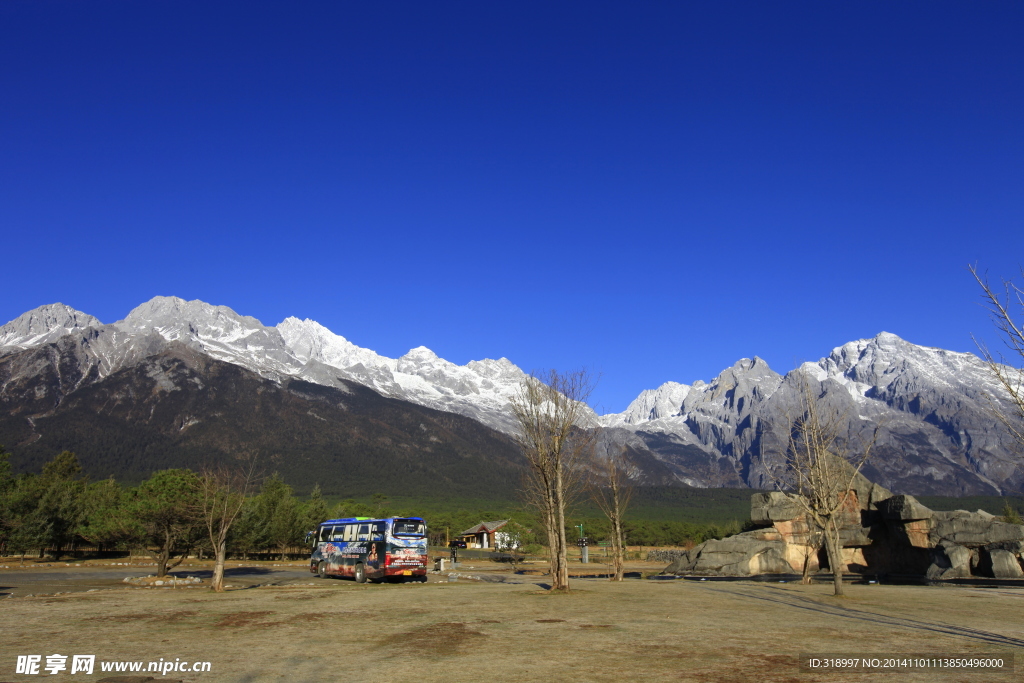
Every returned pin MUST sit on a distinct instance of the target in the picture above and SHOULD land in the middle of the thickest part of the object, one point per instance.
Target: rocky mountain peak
(175, 318)
(44, 324)
(886, 359)
(653, 404)
(746, 376)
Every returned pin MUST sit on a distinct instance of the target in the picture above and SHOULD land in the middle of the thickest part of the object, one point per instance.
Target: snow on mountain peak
(672, 402)
(420, 353)
(309, 340)
(885, 357)
(652, 404)
(215, 330)
(501, 368)
(44, 324)
(308, 350)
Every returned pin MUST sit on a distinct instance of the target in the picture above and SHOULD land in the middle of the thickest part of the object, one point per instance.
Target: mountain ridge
(939, 437)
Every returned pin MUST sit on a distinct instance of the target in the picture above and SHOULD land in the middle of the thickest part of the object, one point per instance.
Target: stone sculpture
(881, 534)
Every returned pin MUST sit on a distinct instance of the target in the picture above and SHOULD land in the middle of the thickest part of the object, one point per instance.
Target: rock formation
(881, 534)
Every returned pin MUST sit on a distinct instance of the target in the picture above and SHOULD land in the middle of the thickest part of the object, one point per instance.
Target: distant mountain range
(181, 382)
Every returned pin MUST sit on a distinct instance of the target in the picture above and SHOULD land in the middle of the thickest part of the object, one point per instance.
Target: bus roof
(365, 519)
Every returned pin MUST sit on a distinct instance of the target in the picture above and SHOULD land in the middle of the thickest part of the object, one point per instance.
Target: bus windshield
(408, 527)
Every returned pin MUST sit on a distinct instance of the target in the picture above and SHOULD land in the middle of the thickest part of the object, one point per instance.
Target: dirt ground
(467, 630)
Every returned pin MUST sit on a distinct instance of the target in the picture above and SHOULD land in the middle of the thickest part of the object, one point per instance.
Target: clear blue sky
(652, 190)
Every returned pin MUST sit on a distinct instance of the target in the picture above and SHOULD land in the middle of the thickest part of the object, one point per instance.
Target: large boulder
(1005, 565)
(972, 529)
(855, 537)
(745, 554)
(775, 506)
(915, 533)
(903, 508)
(950, 561)
(869, 494)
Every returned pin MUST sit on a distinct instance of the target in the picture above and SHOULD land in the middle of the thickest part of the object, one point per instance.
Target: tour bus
(376, 549)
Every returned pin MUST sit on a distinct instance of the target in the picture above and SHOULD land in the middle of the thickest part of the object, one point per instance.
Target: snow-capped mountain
(938, 430)
(295, 348)
(938, 433)
(480, 389)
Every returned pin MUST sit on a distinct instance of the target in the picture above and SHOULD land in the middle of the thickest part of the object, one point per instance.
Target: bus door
(325, 550)
(370, 538)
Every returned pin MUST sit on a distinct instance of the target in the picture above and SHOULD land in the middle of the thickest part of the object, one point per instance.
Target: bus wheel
(360, 573)
(321, 570)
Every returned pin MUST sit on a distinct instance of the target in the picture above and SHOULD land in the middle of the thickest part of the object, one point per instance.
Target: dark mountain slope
(181, 408)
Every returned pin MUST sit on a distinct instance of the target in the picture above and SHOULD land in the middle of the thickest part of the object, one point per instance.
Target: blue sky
(651, 190)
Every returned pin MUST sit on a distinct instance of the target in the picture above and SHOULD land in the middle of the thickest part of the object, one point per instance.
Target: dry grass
(444, 639)
(636, 630)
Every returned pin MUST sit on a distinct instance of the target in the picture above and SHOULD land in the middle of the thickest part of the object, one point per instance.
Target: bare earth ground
(485, 631)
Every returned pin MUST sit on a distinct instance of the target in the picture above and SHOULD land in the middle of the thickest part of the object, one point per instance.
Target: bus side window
(325, 533)
(377, 532)
(350, 532)
(338, 533)
(364, 532)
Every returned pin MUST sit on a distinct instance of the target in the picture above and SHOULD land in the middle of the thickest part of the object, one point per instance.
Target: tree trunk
(813, 547)
(805, 577)
(163, 556)
(618, 562)
(835, 557)
(218, 568)
(549, 527)
(561, 582)
(161, 565)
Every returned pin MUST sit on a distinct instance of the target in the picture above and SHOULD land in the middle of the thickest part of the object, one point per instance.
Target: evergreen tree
(107, 521)
(270, 519)
(350, 508)
(314, 511)
(59, 511)
(166, 509)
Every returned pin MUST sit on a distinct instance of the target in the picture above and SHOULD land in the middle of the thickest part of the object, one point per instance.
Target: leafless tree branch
(820, 468)
(611, 490)
(551, 412)
(1001, 307)
(222, 493)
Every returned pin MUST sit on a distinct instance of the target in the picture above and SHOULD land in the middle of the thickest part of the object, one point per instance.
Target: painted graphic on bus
(363, 548)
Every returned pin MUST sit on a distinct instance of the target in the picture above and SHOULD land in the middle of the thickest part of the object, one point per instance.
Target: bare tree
(222, 494)
(814, 541)
(553, 435)
(611, 490)
(821, 469)
(1011, 331)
